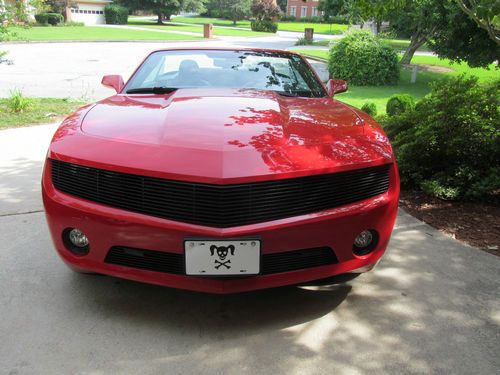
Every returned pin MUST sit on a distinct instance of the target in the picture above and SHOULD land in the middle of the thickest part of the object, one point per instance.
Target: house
(302, 8)
(90, 12)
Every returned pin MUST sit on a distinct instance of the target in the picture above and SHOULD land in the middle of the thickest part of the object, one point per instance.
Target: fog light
(77, 238)
(76, 241)
(364, 239)
(365, 242)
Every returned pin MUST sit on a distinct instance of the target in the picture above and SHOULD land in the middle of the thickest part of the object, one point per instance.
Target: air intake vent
(174, 263)
(220, 206)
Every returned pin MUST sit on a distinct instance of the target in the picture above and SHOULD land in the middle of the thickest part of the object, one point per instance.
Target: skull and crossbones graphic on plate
(222, 253)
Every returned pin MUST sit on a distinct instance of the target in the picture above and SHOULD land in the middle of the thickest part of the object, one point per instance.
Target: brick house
(302, 8)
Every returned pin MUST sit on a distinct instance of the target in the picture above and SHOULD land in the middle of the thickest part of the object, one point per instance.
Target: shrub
(399, 103)
(17, 102)
(287, 18)
(303, 42)
(115, 14)
(42, 18)
(362, 59)
(53, 19)
(449, 145)
(264, 25)
(313, 19)
(370, 108)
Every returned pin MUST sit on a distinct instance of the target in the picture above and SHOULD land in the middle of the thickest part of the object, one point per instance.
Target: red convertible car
(221, 170)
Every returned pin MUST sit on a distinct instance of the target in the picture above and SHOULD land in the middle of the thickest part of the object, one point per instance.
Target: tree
(332, 8)
(376, 10)
(265, 10)
(485, 13)
(282, 4)
(360, 11)
(164, 9)
(233, 10)
(40, 6)
(461, 39)
(419, 20)
(238, 10)
(449, 34)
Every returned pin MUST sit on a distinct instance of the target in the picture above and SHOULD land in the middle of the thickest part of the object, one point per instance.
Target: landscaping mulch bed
(476, 224)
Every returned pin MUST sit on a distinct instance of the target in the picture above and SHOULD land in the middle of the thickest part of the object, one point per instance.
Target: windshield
(288, 74)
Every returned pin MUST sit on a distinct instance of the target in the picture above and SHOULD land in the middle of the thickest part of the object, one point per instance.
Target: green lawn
(218, 31)
(213, 21)
(40, 110)
(90, 33)
(358, 95)
(402, 44)
(319, 28)
(397, 44)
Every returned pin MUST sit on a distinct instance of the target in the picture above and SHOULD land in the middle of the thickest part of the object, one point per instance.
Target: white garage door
(88, 14)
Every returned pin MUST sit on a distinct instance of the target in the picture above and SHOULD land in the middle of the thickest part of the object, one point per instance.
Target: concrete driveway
(432, 306)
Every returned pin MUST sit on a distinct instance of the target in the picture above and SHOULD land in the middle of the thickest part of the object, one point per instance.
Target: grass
(397, 44)
(218, 31)
(213, 21)
(40, 110)
(358, 95)
(92, 33)
(319, 28)
(322, 54)
(402, 44)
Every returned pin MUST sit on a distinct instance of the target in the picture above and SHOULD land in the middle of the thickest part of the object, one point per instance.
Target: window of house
(315, 12)
(303, 12)
(293, 11)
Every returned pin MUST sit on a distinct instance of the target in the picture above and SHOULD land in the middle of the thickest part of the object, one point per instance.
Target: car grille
(220, 206)
(174, 263)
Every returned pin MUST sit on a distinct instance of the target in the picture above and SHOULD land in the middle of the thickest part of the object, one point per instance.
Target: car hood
(216, 134)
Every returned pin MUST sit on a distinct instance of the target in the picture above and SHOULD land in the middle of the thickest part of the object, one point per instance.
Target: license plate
(222, 258)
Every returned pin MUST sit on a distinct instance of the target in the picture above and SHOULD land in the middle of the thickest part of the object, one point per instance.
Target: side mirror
(113, 82)
(335, 86)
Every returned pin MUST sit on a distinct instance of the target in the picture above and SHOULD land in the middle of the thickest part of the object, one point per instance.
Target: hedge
(49, 18)
(116, 15)
(361, 59)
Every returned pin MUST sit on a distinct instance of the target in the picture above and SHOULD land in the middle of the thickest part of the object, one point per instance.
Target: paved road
(75, 70)
(432, 306)
(78, 69)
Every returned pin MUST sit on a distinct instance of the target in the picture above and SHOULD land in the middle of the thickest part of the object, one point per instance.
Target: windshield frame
(320, 92)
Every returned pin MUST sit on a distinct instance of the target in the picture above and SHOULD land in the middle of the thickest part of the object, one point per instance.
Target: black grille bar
(220, 206)
(174, 263)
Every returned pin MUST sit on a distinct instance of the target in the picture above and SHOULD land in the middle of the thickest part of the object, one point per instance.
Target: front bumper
(107, 227)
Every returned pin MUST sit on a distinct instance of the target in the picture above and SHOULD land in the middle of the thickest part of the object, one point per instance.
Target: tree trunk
(160, 18)
(415, 43)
